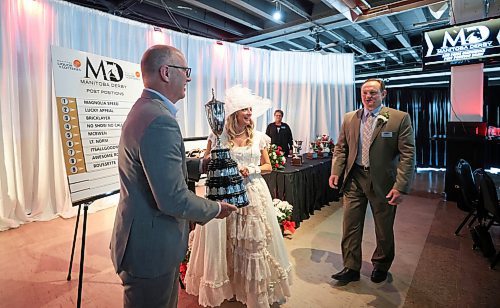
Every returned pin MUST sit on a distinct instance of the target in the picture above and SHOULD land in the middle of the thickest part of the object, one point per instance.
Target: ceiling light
(277, 13)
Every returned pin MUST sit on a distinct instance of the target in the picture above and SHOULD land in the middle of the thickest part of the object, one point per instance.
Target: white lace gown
(243, 255)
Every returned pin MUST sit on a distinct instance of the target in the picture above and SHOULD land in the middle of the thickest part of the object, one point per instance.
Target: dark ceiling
(385, 36)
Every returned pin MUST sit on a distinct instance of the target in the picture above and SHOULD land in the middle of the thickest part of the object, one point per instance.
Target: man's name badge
(386, 134)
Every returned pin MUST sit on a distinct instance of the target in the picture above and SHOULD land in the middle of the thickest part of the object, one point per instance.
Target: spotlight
(277, 12)
(277, 15)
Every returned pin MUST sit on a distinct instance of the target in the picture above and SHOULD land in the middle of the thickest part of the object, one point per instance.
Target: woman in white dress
(244, 255)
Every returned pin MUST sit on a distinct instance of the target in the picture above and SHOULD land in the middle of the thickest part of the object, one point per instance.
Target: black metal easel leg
(68, 278)
(463, 223)
(82, 256)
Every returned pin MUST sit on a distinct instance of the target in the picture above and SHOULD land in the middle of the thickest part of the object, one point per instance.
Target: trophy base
(297, 161)
(312, 155)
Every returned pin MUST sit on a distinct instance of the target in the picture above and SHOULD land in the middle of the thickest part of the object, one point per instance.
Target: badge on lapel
(386, 134)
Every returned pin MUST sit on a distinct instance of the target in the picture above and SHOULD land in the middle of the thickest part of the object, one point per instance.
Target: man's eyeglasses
(187, 70)
(372, 93)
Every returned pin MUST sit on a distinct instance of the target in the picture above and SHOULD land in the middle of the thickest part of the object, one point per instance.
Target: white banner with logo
(93, 95)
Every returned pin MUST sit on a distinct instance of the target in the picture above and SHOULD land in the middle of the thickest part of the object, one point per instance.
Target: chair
(468, 196)
(488, 205)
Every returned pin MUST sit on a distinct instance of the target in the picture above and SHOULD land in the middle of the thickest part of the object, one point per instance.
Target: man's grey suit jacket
(151, 228)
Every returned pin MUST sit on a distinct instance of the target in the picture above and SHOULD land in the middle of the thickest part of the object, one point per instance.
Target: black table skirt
(304, 187)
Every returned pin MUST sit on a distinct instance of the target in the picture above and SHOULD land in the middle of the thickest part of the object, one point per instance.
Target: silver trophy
(224, 181)
(216, 117)
(297, 159)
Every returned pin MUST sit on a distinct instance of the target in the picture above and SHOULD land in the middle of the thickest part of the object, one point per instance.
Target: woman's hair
(231, 123)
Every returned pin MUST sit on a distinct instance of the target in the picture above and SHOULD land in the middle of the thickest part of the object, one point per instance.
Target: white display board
(93, 95)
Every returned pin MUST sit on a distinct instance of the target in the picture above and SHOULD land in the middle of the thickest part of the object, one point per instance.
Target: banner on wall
(93, 95)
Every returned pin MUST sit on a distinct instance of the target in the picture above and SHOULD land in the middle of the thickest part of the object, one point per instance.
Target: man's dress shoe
(346, 275)
(378, 276)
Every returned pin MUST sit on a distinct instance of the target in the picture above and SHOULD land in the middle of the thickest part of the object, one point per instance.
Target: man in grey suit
(376, 153)
(151, 228)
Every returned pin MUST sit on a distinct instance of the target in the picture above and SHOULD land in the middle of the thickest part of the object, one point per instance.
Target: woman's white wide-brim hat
(239, 97)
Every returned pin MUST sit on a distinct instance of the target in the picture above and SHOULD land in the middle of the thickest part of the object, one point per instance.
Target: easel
(86, 204)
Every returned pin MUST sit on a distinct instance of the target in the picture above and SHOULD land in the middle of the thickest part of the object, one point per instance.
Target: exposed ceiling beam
(258, 8)
(398, 30)
(297, 7)
(295, 45)
(344, 7)
(281, 46)
(199, 15)
(349, 40)
(420, 15)
(333, 39)
(396, 7)
(295, 30)
(229, 12)
(144, 13)
(373, 37)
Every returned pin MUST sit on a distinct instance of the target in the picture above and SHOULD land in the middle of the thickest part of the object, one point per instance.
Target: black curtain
(429, 109)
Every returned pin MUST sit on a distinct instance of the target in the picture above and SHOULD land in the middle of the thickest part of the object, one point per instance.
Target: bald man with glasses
(150, 234)
(376, 153)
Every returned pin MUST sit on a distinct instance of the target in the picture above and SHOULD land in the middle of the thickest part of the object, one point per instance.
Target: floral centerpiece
(284, 214)
(277, 157)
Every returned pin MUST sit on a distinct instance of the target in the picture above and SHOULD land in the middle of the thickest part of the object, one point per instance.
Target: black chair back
(488, 196)
(468, 191)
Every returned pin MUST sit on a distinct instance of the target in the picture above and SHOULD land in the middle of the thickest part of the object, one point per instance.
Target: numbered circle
(67, 126)
(64, 101)
(71, 152)
(72, 160)
(70, 144)
(68, 135)
(65, 109)
(73, 169)
(66, 118)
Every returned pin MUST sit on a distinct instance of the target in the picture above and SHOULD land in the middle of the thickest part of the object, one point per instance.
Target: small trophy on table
(297, 159)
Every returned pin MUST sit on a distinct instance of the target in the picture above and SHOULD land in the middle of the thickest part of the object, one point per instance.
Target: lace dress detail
(243, 255)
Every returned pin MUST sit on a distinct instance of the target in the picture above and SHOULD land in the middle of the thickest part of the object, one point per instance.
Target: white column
(467, 81)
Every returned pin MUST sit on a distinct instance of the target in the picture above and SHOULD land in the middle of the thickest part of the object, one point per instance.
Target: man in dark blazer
(280, 133)
(376, 153)
(150, 234)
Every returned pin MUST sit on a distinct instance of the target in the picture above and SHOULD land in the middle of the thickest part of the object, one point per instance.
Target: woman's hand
(244, 172)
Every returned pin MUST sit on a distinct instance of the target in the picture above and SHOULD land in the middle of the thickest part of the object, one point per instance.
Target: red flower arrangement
(283, 214)
(277, 157)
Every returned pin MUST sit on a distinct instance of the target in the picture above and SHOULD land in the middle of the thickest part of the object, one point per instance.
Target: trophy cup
(297, 159)
(224, 182)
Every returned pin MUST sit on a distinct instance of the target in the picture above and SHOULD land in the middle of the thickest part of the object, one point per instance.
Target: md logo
(108, 71)
(466, 36)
